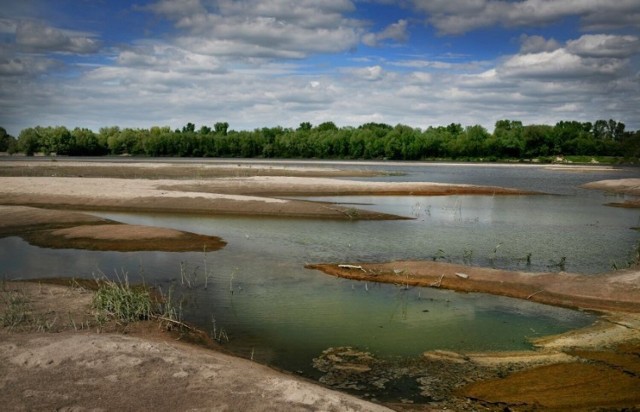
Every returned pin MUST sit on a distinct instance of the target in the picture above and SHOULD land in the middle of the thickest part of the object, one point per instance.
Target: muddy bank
(75, 230)
(622, 186)
(587, 369)
(616, 291)
(81, 367)
(292, 186)
(166, 170)
(255, 196)
(595, 380)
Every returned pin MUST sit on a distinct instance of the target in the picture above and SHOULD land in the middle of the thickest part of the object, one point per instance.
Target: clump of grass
(16, 310)
(123, 302)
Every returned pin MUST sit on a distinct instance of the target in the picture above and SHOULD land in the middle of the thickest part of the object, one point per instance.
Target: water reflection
(276, 311)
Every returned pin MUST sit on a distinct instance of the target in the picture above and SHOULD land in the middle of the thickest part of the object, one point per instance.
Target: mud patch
(402, 381)
(121, 238)
(600, 380)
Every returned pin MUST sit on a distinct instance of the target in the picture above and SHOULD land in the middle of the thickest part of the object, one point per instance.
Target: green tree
(221, 128)
(306, 126)
(7, 142)
(28, 141)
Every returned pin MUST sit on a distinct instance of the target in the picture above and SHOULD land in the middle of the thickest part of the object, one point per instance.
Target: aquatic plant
(439, 255)
(560, 264)
(121, 301)
(467, 256)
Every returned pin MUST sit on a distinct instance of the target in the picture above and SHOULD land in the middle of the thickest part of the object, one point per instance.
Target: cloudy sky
(255, 63)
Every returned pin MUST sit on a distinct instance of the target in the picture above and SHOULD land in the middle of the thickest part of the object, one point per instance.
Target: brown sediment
(576, 386)
(59, 229)
(587, 369)
(292, 186)
(167, 170)
(59, 357)
(123, 238)
(629, 186)
(617, 291)
(255, 196)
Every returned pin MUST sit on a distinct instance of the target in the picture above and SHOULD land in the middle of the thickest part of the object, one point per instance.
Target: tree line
(510, 140)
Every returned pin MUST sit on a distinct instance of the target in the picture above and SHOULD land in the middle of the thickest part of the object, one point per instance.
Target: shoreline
(251, 196)
(257, 196)
(616, 291)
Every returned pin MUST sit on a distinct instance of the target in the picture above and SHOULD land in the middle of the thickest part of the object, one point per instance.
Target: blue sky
(252, 63)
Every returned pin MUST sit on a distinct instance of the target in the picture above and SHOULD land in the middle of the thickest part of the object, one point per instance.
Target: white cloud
(37, 36)
(603, 45)
(223, 66)
(460, 16)
(396, 31)
(252, 28)
(368, 73)
(25, 66)
(535, 44)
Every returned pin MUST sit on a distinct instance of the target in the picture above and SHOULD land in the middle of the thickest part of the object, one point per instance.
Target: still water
(272, 309)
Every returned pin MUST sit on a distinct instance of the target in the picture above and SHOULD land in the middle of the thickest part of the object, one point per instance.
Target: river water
(257, 293)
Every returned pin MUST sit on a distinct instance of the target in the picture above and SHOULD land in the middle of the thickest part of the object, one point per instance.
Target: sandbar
(630, 186)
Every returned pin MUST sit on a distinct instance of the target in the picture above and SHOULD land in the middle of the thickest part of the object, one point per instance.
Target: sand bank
(252, 196)
(616, 291)
(586, 369)
(623, 186)
(64, 229)
(77, 368)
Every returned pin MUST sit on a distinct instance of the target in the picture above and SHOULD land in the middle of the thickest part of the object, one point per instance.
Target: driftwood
(534, 293)
(462, 275)
(438, 282)
(352, 267)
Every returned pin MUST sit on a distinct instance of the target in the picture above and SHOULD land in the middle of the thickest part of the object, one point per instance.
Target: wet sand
(60, 358)
(623, 186)
(615, 291)
(258, 194)
(64, 230)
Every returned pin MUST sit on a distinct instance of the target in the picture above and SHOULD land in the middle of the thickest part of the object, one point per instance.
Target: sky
(255, 63)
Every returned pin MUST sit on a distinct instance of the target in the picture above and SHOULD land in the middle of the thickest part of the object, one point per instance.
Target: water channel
(275, 311)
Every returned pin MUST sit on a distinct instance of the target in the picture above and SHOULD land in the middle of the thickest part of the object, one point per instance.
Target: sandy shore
(623, 186)
(253, 196)
(591, 368)
(64, 229)
(615, 291)
(76, 369)
(59, 358)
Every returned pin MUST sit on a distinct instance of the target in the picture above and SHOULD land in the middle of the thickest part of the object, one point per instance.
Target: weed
(121, 301)
(467, 256)
(167, 308)
(439, 255)
(352, 213)
(218, 336)
(560, 264)
(16, 312)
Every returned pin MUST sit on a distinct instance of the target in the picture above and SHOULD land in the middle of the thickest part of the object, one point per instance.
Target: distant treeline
(509, 140)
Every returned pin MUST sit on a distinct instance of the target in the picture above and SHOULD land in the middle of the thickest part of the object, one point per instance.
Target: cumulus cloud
(222, 65)
(252, 28)
(588, 57)
(535, 44)
(460, 16)
(368, 73)
(603, 45)
(25, 66)
(396, 31)
(37, 36)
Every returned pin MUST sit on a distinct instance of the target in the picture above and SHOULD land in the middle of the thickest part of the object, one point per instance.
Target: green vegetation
(16, 309)
(603, 141)
(120, 301)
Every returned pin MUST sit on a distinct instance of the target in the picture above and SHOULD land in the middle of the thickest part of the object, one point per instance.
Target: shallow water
(274, 310)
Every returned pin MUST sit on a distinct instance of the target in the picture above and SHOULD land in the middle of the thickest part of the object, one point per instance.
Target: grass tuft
(123, 302)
